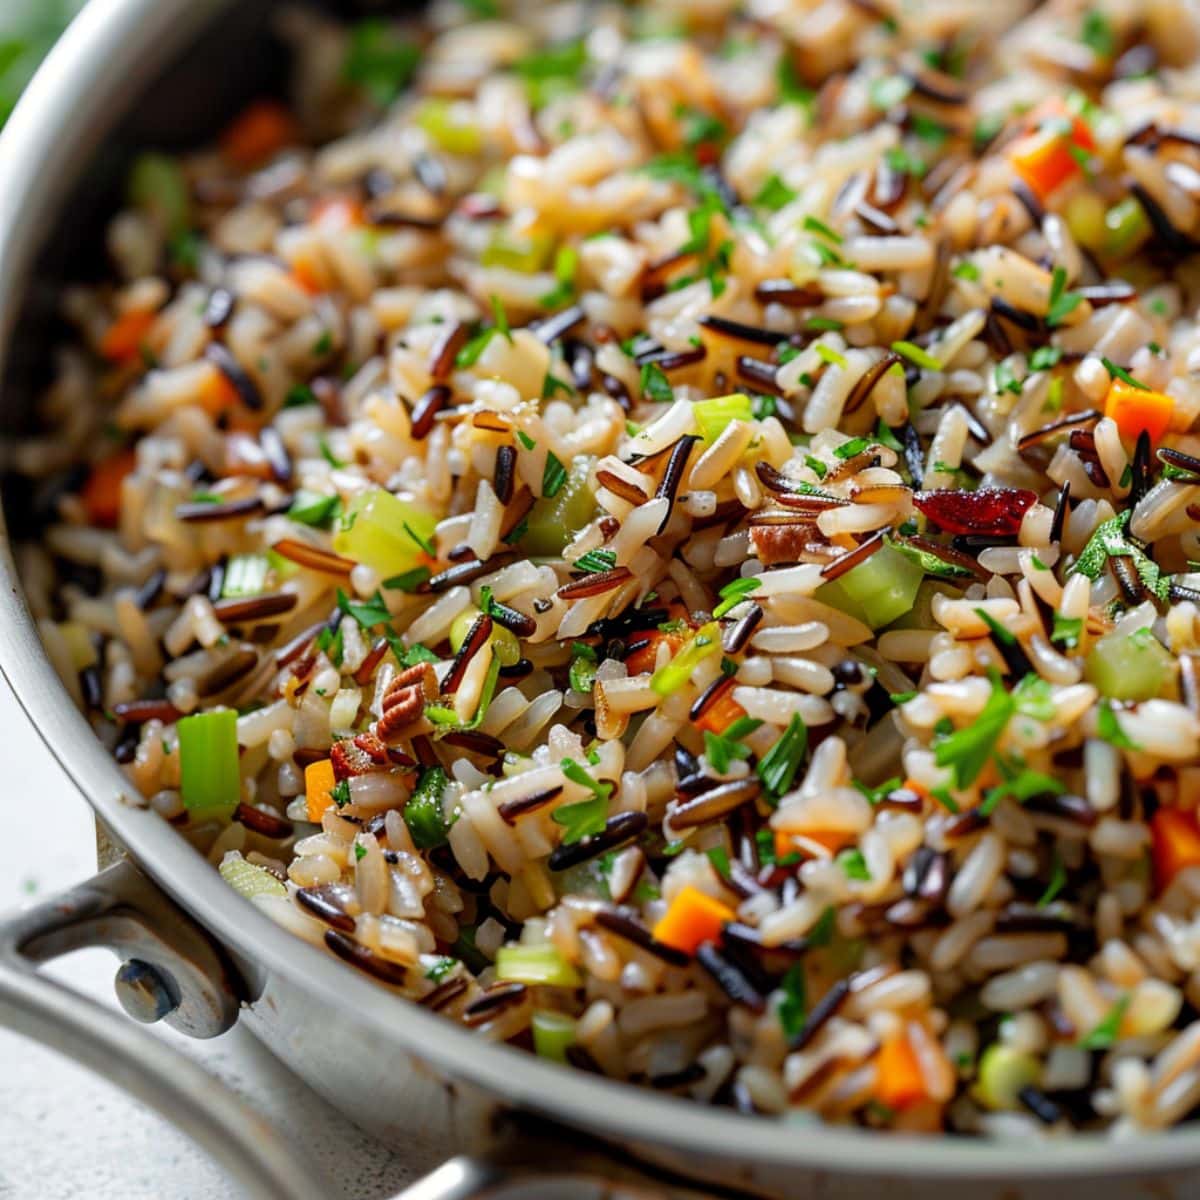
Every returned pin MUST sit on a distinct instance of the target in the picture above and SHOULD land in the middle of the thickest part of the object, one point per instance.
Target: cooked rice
(926, 785)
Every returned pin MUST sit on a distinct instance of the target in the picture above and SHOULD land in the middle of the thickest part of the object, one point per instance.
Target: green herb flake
(380, 60)
(1104, 1035)
(553, 476)
(777, 768)
(1123, 375)
(793, 1004)
(732, 594)
(917, 356)
(966, 270)
(1097, 33)
(655, 384)
(1109, 728)
(967, 751)
(525, 439)
(407, 581)
(596, 561)
(719, 858)
(1062, 303)
(774, 194)
(853, 865)
(1058, 881)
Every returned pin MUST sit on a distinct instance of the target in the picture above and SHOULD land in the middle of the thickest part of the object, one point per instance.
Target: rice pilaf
(670, 534)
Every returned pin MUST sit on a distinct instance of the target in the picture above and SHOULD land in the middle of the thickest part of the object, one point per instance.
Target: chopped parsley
(655, 385)
(723, 748)
(916, 355)
(1104, 1035)
(1067, 631)
(777, 768)
(1058, 881)
(1062, 303)
(853, 865)
(407, 581)
(774, 194)
(595, 561)
(554, 475)
(793, 1004)
(380, 60)
(588, 817)
(967, 751)
(1109, 728)
(1123, 375)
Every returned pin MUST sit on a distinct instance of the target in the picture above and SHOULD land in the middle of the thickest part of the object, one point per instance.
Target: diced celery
(1125, 227)
(284, 568)
(503, 641)
(245, 575)
(920, 616)
(713, 415)
(424, 814)
(80, 644)
(1085, 219)
(446, 125)
(706, 641)
(210, 778)
(517, 252)
(554, 520)
(385, 533)
(876, 591)
(1132, 666)
(249, 880)
(157, 186)
(553, 1033)
(461, 626)
(535, 965)
(1003, 1072)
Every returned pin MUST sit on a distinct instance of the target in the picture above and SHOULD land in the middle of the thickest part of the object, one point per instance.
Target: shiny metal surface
(396, 1068)
(119, 909)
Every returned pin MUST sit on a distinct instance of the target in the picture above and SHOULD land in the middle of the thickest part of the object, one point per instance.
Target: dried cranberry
(996, 512)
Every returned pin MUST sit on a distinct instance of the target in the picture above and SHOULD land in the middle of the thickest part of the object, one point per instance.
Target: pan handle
(172, 971)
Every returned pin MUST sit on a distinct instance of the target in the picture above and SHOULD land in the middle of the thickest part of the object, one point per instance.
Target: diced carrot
(217, 393)
(258, 134)
(101, 494)
(721, 712)
(1175, 843)
(1046, 157)
(911, 785)
(899, 1081)
(318, 786)
(643, 656)
(693, 917)
(1135, 409)
(123, 339)
(337, 213)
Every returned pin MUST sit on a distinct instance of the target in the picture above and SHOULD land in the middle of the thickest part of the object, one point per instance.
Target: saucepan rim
(107, 56)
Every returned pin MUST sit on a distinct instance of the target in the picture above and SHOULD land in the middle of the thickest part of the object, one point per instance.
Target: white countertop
(66, 1134)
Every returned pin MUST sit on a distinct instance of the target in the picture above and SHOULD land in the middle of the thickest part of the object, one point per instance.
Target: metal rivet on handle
(145, 992)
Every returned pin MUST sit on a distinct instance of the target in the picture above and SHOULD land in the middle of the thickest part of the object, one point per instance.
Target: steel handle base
(179, 970)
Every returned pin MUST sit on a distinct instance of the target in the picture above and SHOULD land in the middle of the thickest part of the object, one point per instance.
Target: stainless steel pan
(131, 70)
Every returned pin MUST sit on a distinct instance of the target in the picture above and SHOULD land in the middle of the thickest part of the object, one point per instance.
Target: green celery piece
(1129, 666)
(877, 591)
(210, 776)
(374, 532)
(247, 879)
(245, 575)
(554, 520)
(424, 815)
(712, 416)
(535, 965)
(705, 641)
(553, 1034)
